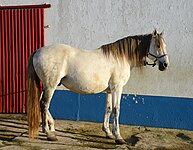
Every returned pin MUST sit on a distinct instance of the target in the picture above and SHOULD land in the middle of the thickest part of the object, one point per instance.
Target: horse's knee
(115, 111)
(109, 109)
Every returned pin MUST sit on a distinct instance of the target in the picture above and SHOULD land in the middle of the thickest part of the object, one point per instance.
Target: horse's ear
(162, 33)
(154, 33)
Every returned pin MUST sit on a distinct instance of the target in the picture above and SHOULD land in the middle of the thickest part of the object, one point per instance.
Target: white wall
(91, 23)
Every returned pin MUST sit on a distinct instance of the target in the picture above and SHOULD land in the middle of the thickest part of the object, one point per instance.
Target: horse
(106, 69)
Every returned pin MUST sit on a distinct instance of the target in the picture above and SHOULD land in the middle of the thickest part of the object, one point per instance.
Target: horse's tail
(33, 97)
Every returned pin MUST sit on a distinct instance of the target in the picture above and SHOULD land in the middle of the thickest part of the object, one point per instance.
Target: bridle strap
(156, 58)
(149, 64)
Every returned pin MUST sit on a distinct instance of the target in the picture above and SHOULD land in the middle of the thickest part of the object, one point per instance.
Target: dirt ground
(78, 135)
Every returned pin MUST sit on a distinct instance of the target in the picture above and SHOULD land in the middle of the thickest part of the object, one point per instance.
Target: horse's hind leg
(51, 122)
(46, 116)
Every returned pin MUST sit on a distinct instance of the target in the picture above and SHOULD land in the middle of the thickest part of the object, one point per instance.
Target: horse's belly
(84, 85)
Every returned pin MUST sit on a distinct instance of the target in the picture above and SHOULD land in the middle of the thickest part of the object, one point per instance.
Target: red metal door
(21, 32)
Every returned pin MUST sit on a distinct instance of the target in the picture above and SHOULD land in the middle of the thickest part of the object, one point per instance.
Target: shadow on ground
(78, 135)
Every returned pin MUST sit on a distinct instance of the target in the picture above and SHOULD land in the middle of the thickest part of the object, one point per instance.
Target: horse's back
(54, 52)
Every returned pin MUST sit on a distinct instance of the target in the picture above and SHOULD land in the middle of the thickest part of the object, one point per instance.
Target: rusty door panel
(21, 33)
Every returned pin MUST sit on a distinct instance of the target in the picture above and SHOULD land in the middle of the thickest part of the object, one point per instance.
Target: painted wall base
(157, 111)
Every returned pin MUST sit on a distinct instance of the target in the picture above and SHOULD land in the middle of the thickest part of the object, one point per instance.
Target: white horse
(106, 69)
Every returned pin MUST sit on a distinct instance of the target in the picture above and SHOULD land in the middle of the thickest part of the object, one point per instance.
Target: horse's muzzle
(163, 66)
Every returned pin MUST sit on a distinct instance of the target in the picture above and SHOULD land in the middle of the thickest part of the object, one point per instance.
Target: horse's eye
(158, 46)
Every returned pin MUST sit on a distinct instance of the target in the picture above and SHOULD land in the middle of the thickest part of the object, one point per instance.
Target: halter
(156, 58)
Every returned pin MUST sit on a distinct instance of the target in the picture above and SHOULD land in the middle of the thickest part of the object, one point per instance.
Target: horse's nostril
(165, 64)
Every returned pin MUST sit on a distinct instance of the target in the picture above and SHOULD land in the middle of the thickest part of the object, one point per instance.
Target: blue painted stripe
(157, 111)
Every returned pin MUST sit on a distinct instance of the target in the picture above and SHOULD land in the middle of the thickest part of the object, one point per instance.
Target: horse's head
(157, 51)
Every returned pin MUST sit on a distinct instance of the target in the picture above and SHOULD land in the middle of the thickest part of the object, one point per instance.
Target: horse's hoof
(120, 141)
(51, 137)
(110, 136)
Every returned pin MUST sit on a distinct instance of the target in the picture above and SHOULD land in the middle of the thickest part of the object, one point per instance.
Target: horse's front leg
(116, 98)
(47, 120)
(108, 111)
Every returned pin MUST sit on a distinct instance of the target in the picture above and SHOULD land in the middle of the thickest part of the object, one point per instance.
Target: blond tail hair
(33, 99)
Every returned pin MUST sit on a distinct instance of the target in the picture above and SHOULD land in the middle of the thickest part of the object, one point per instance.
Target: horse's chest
(120, 76)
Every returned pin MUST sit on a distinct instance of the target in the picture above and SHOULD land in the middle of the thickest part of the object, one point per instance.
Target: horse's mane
(132, 49)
